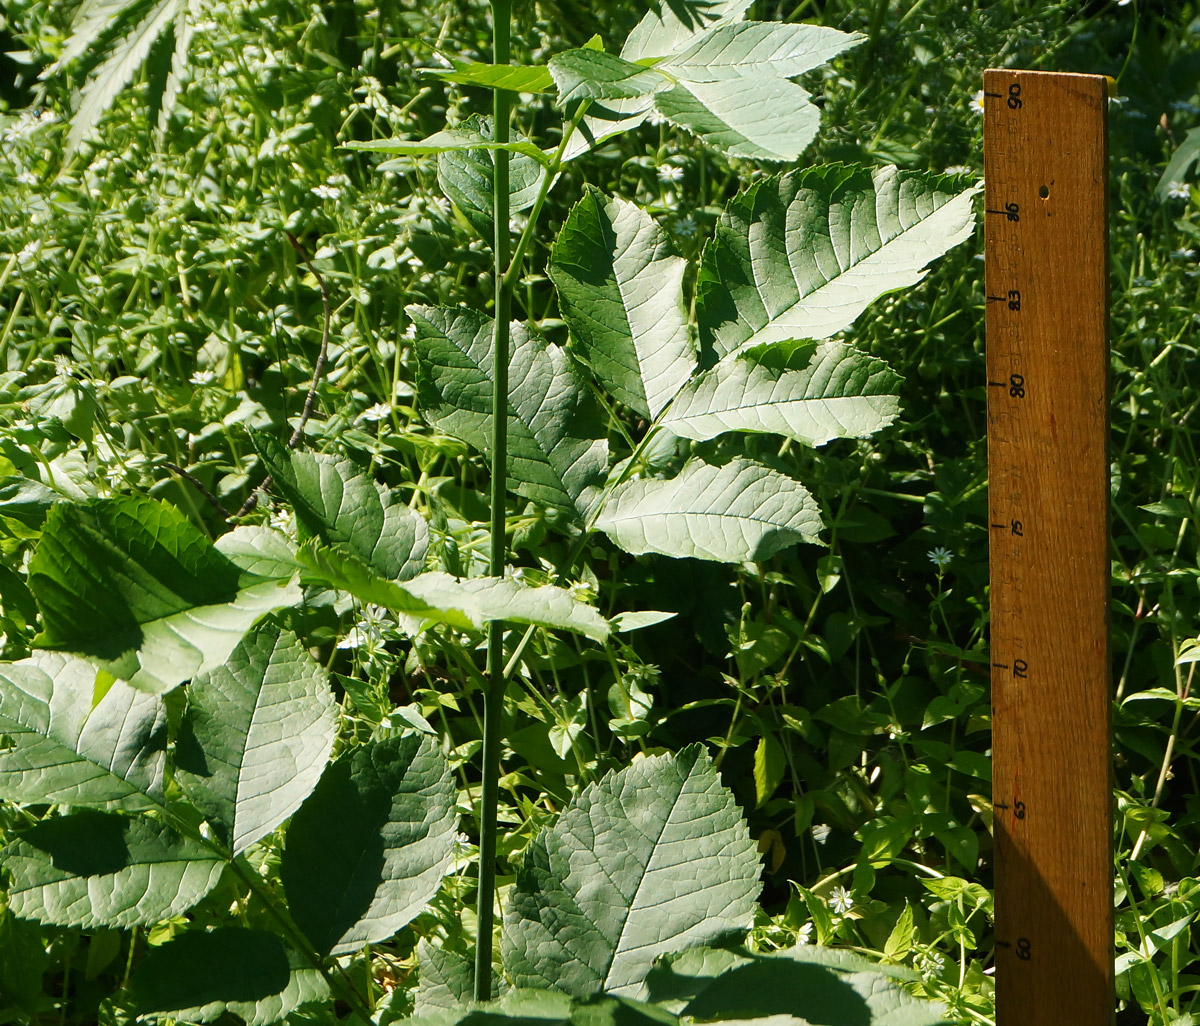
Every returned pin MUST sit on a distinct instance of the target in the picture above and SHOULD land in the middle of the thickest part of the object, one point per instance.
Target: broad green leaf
(447, 139)
(557, 453)
(198, 976)
(731, 512)
(104, 869)
(671, 26)
(620, 289)
(502, 598)
(803, 254)
(26, 501)
(261, 551)
(341, 505)
(256, 735)
(524, 1007)
(811, 395)
(436, 597)
(752, 50)
(337, 570)
(517, 78)
(796, 987)
(764, 118)
(467, 178)
(77, 736)
(445, 979)
(133, 586)
(648, 860)
(595, 75)
(368, 849)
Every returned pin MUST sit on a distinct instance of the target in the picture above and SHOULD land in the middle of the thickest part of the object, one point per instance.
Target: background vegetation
(152, 310)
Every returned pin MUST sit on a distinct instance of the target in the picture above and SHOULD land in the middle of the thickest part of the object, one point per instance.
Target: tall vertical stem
(494, 706)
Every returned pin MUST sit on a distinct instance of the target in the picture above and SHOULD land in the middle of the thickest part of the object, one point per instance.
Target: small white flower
(518, 223)
(27, 178)
(841, 900)
(283, 520)
(326, 191)
(820, 833)
(804, 936)
(1184, 254)
(958, 169)
(669, 173)
(940, 557)
(203, 377)
(686, 226)
(977, 102)
(29, 251)
(1178, 190)
(931, 964)
(654, 119)
(379, 411)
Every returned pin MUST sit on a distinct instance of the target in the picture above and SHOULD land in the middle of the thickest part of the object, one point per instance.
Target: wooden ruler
(1046, 262)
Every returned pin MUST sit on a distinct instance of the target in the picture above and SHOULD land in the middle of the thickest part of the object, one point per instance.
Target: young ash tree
(189, 741)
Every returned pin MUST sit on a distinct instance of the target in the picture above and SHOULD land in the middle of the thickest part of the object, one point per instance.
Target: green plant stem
(494, 701)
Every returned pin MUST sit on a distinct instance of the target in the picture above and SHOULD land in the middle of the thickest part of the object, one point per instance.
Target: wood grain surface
(1046, 270)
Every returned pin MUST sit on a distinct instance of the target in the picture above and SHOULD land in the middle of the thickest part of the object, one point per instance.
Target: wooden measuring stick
(1046, 268)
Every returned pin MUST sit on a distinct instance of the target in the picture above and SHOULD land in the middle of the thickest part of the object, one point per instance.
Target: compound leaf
(731, 512)
(367, 850)
(803, 254)
(620, 289)
(341, 505)
(557, 453)
(648, 860)
(77, 736)
(199, 976)
(810, 394)
(256, 735)
(132, 585)
(104, 869)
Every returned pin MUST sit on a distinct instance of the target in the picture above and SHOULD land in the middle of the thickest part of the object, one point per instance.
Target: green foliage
(696, 342)
(650, 859)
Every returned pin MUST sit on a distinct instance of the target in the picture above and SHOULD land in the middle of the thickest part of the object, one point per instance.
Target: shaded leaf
(800, 256)
(198, 976)
(557, 453)
(367, 850)
(343, 507)
(256, 735)
(134, 586)
(589, 74)
(77, 736)
(104, 869)
(620, 289)
(811, 394)
(648, 860)
(467, 177)
(797, 987)
(445, 979)
(739, 510)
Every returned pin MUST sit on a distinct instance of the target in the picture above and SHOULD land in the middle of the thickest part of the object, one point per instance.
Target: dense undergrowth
(165, 294)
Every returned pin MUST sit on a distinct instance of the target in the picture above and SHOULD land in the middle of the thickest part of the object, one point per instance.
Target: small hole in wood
(1044, 191)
